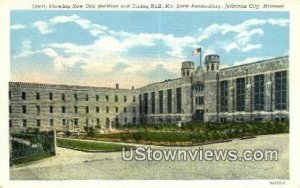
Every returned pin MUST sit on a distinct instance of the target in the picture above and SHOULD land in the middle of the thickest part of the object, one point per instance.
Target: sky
(135, 48)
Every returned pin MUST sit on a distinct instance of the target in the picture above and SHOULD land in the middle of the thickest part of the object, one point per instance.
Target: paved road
(70, 164)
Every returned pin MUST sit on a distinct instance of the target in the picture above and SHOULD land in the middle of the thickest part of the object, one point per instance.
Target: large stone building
(249, 92)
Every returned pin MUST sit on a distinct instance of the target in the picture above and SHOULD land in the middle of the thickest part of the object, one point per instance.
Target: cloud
(17, 27)
(26, 49)
(250, 60)
(250, 47)
(43, 27)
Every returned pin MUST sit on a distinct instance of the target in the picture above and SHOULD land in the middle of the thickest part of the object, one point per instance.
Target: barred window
(240, 94)
(161, 102)
(24, 122)
(38, 122)
(223, 96)
(169, 100)
(63, 97)
(51, 122)
(23, 95)
(178, 100)
(37, 96)
(259, 94)
(146, 103)
(153, 102)
(281, 90)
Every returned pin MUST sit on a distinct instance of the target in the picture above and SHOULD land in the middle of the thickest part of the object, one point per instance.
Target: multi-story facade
(249, 92)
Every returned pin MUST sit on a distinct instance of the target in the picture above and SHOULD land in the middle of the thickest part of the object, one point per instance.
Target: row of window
(74, 122)
(258, 93)
(75, 96)
(63, 109)
(241, 119)
(144, 103)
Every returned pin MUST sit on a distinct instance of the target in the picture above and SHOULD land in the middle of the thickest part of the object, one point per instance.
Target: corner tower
(212, 63)
(187, 68)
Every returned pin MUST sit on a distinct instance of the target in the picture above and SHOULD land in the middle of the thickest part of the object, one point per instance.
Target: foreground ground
(71, 164)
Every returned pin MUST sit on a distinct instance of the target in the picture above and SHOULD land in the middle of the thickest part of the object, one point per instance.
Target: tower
(212, 63)
(187, 68)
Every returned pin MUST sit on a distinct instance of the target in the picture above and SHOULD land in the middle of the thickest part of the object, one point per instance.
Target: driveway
(71, 164)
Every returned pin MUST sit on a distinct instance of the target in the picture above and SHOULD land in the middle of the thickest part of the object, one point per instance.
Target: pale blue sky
(136, 48)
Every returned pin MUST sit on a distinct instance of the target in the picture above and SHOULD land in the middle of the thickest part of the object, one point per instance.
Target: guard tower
(187, 68)
(212, 63)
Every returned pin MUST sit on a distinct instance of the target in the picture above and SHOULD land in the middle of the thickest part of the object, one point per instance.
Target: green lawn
(88, 145)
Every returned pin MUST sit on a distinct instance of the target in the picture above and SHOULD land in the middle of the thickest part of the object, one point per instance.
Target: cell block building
(249, 92)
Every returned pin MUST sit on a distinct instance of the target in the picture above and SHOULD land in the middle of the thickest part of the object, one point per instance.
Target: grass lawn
(88, 145)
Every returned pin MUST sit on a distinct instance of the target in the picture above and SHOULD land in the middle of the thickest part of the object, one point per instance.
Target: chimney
(132, 87)
(117, 86)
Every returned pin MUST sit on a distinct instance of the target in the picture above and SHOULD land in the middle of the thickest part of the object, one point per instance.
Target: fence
(28, 145)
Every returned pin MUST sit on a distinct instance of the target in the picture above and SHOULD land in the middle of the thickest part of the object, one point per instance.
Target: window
(23, 95)
(133, 99)
(107, 109)
(125, 110)
(134, 120)
(240, 94)
(38, 122)
(161, 101)
(178, 100)
(117, 109)
(75, 97)
(38, 110)
(63, 97)
(86, 109)
(223, 120)
(153, 102)
(51, 122)
(97, 97)
(169, 100)
(10, 109)
(116, 98)
(146, 103)
(97, 109)
(64, 122)
(75, 109)
(259, 95)
(24, 109)
(76, 122)
(125, 120)
(51, 96)
(87, 122)
(63, 109)
(281, 90)
(51, 109)
(125, 98)
(133, 109)
(86, 97)
(223, 96)
(24, 122)
(9, 95)
(37, 96)
(10, 123)
(98, 121)
(107, 98)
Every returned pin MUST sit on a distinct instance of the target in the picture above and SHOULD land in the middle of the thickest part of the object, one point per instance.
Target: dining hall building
(250, 92)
